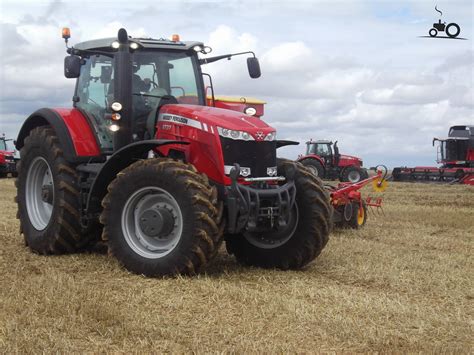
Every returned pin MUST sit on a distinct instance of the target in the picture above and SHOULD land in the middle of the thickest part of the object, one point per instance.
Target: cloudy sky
(353, 71)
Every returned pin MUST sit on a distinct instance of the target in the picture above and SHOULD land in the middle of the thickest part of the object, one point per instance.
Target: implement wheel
(304, 237)
(359, 215)
(161, 218)
(48, 196)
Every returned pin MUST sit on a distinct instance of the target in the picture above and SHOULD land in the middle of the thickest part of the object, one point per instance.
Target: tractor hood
(349, 157)
(7, 153)
(205, 117)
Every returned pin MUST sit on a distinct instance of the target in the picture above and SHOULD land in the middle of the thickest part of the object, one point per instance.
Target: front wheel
(433, 32)
(352, 174)
(161, 218)
(301, 241)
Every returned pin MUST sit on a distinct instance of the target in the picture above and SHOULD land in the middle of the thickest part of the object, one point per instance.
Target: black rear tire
(61, 233)
(364, 174)
(194, 232)
(308, 237)
(314, 166)
(455, 34)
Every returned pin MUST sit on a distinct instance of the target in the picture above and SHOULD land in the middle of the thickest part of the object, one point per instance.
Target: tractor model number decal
(180, 120)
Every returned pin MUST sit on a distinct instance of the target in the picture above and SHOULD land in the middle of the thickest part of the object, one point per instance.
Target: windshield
(319, 149)
(3, 145)
(155, 74)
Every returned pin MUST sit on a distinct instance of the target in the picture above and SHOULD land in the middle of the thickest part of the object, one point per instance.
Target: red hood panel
(6, 152)
(349, 157)
(219, 117)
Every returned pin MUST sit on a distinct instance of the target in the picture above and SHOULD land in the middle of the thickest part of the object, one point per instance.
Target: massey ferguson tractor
(7, 159)
(142, 161)
(323, 159)
(456, 156)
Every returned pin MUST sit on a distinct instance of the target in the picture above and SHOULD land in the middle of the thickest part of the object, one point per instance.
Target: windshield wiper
(139, 93)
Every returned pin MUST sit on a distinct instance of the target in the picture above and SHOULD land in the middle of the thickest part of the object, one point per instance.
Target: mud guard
(116, 163)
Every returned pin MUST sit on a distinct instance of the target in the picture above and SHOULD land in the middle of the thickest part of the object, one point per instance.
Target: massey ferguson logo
(259, 136)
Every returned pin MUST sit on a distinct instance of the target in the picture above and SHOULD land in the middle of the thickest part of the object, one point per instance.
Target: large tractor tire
(162, 218)
(301, 241)
(352, 174)
(48, 196)
(314, 166)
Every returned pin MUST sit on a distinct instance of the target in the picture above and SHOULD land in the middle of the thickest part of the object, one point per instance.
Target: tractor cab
(123, 83)
(325, 150)
(458, 148)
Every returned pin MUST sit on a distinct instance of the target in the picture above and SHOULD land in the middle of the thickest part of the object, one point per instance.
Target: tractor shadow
(444, 37)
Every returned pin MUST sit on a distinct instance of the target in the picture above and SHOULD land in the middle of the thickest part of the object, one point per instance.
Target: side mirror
(254, 67)
(72, 66)
(105, 74)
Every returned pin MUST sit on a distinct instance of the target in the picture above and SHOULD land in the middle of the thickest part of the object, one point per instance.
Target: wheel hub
(157, 222)
(152, 222)
(39, 191)
(47, 194)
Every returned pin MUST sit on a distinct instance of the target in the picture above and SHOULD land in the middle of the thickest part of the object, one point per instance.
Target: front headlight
(236, 135)
(270, 136)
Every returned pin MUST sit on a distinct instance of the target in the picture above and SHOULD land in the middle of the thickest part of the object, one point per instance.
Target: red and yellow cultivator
(350, 208)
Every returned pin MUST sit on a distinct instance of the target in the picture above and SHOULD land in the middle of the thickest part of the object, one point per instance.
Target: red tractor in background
(7, 159)
(455, 153)
(323, 159)
(143, 161)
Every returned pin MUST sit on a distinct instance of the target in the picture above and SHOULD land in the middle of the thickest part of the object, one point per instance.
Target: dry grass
(404, 283)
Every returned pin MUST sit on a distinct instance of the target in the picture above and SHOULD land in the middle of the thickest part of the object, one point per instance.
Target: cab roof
(320, 141)
(148, 43)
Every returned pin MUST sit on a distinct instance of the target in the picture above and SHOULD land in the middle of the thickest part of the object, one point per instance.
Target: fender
(282, 143)
(72, 128)
(311, 156)
(116, 163)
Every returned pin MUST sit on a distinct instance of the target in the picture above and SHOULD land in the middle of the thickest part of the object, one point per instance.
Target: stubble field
(404, 282)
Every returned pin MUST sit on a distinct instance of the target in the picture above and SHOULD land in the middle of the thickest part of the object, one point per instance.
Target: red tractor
(7, 159)
(144, 162)
(323, 159)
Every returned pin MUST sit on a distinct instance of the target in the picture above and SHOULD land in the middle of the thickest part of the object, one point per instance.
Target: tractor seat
(155, 104)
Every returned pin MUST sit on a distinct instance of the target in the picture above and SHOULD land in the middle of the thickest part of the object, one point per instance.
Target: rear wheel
(314, 166)
(453, 30)
(352, 174)
(162, 218)
(304, 237)
(48, 196)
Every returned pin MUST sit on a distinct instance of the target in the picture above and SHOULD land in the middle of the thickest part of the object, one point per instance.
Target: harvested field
(404, 282)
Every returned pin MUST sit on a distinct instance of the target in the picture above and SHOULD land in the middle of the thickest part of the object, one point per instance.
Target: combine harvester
(455, 153)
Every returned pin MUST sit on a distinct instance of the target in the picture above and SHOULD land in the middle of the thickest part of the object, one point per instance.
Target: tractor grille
(258, 156)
